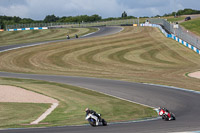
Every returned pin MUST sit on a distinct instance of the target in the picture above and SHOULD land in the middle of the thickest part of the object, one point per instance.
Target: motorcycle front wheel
(92, 122)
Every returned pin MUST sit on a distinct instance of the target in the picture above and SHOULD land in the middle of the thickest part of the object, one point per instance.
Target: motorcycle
(166, 115)
(95, 121)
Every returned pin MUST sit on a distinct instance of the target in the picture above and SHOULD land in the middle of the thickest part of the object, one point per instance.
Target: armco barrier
(173, 37)
(178, 31)
(32, 28)
(158, 26)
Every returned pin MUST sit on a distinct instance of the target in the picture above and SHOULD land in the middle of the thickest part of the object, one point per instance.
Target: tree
(26, 21)
(16, 19)
(124, 14)
(95, 17)
(51, 18)
(157, 16)
(1, 24)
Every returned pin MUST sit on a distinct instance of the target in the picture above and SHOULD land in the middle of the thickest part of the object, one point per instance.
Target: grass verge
(173, 19)
(192, 25)
(14, 114)
(73, 101)
(30, 36)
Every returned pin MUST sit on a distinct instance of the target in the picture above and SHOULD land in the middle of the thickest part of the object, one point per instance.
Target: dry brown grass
(29, 36)
(136, 54)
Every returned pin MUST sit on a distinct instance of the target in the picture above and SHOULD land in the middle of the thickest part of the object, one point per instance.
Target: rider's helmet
(87, 110)
(160, 108)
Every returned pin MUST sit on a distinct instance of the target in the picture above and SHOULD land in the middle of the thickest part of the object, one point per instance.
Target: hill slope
(139, 54)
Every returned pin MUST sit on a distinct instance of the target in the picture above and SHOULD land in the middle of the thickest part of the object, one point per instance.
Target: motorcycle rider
(164, 111)
(89, 111)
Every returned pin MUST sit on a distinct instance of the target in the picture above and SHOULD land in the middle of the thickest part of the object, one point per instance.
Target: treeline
(7, 20)
(74, 19)
(186, 11)
(82, 18)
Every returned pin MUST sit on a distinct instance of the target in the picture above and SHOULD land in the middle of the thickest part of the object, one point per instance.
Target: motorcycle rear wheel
(104, 122)
(173, 116)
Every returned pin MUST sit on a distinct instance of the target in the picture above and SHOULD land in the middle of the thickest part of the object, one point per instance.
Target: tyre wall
(32, 28)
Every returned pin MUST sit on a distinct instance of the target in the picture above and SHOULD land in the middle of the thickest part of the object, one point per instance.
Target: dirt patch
(195, 74)
(16, 94)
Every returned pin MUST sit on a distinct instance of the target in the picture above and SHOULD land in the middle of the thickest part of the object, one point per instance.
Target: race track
(184, 104)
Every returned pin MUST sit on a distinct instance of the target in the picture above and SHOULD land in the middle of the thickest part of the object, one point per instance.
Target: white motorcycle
(95, 121)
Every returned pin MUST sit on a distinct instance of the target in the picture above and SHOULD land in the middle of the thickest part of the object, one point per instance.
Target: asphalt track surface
(185, 104)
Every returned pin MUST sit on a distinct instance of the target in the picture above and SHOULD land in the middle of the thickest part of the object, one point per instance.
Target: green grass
(172, 19)
(72, 103)
(30, 36)
(192, 25)
(14, 114)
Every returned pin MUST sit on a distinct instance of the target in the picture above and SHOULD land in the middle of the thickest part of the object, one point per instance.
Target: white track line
(187, 132)
(172, 87)
(45, 114)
